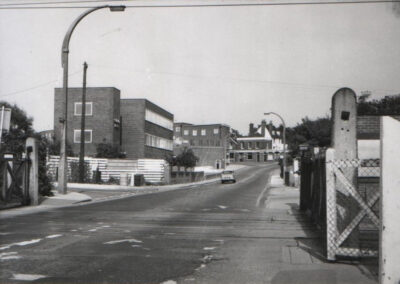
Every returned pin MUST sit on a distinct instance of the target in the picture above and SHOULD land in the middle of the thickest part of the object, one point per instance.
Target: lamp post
(63, 166)
(283, 140)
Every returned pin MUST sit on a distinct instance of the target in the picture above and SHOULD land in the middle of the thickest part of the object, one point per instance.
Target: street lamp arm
(271, 112)
(65, 45)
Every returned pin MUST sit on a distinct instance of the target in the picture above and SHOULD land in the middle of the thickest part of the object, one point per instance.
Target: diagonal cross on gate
(354, 193)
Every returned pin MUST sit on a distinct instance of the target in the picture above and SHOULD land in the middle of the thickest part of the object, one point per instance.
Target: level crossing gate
(15, 179)
(346, 220)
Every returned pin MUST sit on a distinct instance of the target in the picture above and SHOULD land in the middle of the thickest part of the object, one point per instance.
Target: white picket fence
(153, 170)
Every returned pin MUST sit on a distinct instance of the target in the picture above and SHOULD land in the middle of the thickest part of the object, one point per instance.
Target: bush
(75, 172)
(110, 151)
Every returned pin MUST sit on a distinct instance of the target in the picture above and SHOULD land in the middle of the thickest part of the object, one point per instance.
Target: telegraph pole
(83, 116)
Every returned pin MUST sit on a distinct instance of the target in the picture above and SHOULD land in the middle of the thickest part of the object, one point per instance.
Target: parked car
(228, 176)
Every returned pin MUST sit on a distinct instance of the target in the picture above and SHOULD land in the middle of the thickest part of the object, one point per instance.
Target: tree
(313, 132)
(110, 151)
(186, 159)
(389, 105)
(14, 142)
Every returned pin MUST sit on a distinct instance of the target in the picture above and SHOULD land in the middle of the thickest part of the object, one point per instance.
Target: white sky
(205, 65)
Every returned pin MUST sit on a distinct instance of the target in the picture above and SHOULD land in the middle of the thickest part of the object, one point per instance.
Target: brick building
(137, 127)
(209, 142)
(256, 147)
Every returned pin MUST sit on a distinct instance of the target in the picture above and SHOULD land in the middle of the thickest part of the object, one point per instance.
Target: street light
(63, 166)
(283, 140)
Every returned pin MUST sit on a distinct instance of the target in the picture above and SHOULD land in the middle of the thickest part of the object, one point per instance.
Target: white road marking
(9, 255)
(169, 282)
(20, 244)
(123, 241)
(4, 233)
(53, 236)
(209, 248)
(105, 226)
(222, 206)
(136, 246)
(27, 277)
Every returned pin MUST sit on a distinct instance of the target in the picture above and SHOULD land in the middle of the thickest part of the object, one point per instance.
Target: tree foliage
(313, 132)
(186, 159)
(389, 105)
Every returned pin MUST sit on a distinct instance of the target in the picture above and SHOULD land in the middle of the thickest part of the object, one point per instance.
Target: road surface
(211, 233)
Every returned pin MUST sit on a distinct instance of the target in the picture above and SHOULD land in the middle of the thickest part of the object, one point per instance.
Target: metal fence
(313, 187)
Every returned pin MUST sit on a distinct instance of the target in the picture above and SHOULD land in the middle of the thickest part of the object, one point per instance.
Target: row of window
(203, 131)
(254, 145)
(159, 119)
(149, 115)
(158, 142)
(212, 143)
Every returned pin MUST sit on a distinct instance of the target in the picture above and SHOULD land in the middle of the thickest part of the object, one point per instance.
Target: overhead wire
(301, 3)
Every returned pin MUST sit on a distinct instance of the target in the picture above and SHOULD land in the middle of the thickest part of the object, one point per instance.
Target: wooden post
(33, 171)
(389, 241)
(344, 142)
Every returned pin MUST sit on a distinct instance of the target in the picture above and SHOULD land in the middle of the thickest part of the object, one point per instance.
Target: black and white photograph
(200, 141)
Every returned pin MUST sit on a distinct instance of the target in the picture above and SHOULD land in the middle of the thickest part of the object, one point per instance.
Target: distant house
(48, 134)
(209, 142)
(264, 143)
(137, 127)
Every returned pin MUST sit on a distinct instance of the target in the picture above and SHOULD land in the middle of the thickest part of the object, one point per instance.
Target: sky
(205, 65)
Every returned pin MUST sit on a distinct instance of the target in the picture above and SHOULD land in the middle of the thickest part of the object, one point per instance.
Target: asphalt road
(200, 234)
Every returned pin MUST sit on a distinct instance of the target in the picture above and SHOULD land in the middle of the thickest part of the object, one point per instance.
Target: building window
(159, 119)
(158, 142)
(200, 142)
(203, 132)
(216, 130)
(191, 142)
(177, 129)
(257, 145)
(194, 132)
(241, 145)
(88, 109)
(249, 156)
(88, 136)
(249, 145)
(217, 143)
(185, 132)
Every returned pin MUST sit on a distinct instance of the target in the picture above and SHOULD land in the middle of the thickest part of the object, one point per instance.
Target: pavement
(248, 232)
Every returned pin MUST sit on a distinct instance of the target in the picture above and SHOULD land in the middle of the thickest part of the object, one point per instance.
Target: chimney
(263, 126)
(251, 129)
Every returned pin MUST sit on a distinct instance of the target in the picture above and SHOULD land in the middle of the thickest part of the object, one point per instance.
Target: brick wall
(105, 109)
(368, 126)
(134, 128)
(133, 139)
